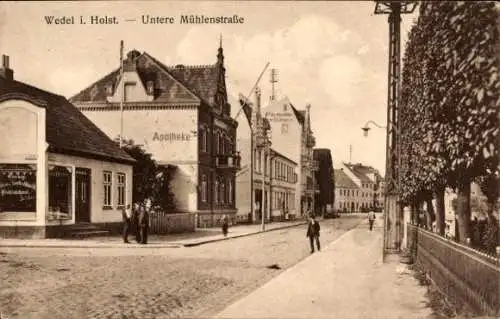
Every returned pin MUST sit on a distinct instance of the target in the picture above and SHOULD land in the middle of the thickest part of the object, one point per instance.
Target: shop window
(60, 189)
(17, 188)
(121, 189)
(107, 182)
(204, 188)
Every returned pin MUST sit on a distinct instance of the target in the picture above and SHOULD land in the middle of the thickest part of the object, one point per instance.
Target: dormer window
(109, 89)
(150, 87)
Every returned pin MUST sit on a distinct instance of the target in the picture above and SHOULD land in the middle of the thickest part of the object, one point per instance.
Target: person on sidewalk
(313, 229)
(371, 218)
(144, 224)
(135, 222)
(127, 217)
(225, 225)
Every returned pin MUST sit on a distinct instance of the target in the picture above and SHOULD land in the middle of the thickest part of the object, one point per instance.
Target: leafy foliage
(150, 181)
(449, 105)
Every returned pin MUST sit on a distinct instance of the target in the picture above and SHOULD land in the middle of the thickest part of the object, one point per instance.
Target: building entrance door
(82, 195)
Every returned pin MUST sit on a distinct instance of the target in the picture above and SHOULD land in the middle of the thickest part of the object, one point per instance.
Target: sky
(332, 55)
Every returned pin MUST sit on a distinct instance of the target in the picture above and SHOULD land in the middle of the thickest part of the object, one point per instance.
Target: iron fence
(462, 273)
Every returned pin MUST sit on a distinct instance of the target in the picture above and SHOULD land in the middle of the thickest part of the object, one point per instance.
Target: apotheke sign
(171, 137)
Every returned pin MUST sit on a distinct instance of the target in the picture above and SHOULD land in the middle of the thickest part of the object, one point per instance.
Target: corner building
(182, 117)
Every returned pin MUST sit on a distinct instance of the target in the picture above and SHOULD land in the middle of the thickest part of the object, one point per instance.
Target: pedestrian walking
(225, 225)
(127, 217)
(144, 224)
(371, 218)
(313, 229)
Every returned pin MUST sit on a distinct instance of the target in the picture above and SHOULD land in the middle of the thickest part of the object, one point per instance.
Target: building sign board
(279, 116)
(17, 188)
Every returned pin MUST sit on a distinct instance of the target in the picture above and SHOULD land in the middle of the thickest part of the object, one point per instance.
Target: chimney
(179, 71)
(5, 71)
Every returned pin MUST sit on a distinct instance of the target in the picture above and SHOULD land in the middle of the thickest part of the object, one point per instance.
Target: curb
(151, 246)
(239, 236)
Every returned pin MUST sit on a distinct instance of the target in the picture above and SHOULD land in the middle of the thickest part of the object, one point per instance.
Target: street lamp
(366, 128)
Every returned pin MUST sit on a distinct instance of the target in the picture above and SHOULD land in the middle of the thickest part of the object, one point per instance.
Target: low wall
(161, 223)
(466, 276)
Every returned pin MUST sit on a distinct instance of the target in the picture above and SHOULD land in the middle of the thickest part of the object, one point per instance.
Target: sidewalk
(345, 280)
(200, 237)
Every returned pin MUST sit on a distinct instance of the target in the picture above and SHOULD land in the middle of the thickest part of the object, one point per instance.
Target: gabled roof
(361, 172)
(300, 115)
(68, 131)
(179, 84)
(342, 180)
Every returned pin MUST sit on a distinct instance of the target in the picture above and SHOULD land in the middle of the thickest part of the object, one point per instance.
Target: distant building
(368, 193)
(325, 180)
(276, 197)
(293, 137)
(57, 168)
(345, 192)
(182, 117)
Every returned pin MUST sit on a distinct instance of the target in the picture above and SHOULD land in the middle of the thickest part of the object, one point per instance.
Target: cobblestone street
(148, 282)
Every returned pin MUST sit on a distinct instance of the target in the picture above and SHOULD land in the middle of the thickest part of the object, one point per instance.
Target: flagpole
(122, 93)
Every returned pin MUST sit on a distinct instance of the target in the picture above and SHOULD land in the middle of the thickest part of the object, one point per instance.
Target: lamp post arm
(372, 122)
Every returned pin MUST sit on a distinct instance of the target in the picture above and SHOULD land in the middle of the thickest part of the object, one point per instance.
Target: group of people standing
(137, 218)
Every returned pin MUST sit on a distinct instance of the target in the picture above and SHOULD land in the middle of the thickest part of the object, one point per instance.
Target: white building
(292, 136)
(57, 169)
(274, 177)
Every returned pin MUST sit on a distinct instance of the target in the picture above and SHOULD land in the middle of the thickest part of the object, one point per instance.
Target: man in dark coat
(135, 222)
(144, 224)
(313, 233)
(126, 216)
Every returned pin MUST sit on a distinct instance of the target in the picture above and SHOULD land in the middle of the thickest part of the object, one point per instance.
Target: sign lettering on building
(171, 137)
(279, 117)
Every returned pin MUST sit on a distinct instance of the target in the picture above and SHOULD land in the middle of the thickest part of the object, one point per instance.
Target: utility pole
(122, 97)
(393, 210)
(273, 80)
(243, 102)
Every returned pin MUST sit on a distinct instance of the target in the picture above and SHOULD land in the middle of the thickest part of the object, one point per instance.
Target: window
(216, 192)
(222, 192)
(216, 142)
(204, 188)
(17, 188)
(230, 191)
(121, 189)
(284, 128)
(284, 107)
(203, 139)
(129, 88)
(107, 182)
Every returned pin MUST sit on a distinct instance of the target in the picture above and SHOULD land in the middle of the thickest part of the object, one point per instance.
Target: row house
(292, 136)
(274, 176)
(346, 192)
(369, 194)
(58, 172)
(180, 114)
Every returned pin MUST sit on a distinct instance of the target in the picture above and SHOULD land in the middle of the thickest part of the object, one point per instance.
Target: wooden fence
(462, 273)
(161, 223)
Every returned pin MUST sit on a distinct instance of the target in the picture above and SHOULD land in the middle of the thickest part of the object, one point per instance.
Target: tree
(450, 103)
(143, 171)
(150, 181)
